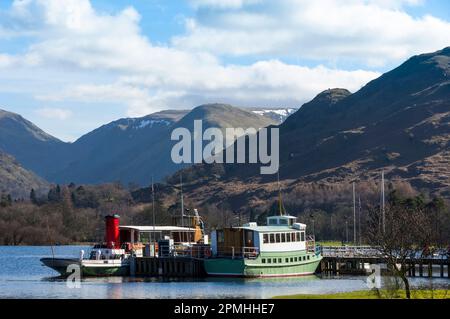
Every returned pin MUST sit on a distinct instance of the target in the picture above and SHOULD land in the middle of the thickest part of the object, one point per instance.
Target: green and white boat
(101, 262)
(276, 250)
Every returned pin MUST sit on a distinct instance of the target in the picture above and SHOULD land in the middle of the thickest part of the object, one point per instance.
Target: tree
(5, 200)
(404, 234)
(33, 197)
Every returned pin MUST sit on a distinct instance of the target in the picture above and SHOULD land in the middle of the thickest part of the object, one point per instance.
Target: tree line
(75, 213)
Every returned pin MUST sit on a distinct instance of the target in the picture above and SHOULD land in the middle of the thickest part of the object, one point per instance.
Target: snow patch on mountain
(279, 114)
(151, 123)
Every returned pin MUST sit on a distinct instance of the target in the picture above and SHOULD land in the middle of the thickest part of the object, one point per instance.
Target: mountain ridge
(399, 123)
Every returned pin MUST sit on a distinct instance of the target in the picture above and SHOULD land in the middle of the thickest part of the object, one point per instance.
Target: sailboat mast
(359, 218)
(280, 204)
(354, 213)
(383, 210)
(153, 209)
(182, 201)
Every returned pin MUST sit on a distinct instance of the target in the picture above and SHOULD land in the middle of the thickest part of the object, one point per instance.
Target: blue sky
(72, 65)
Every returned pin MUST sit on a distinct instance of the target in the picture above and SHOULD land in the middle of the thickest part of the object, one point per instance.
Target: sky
(70, 66)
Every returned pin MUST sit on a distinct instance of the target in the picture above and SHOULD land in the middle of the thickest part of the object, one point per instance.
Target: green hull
(61, 265)
(260, 267)
(105, 271)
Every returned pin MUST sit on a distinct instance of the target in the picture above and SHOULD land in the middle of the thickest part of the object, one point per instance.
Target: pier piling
(168, 267)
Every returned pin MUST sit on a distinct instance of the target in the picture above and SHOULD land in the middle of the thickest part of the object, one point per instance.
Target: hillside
(97, 156)
(17, 181)
(129, 150)
(154, 159)
(399, 122)
(133, 150)
(33, 148)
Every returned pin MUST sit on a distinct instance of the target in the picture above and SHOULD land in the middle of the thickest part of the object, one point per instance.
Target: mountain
(100, 155)
(154, 159)
(135, 150)
(395, 122)
(399, 123)
(17, 181)
(32, 147)
(129, 150)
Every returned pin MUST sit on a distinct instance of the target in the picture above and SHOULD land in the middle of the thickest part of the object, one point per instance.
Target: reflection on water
(23, 276)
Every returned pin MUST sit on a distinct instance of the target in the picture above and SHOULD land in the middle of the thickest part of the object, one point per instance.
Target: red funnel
(112, 231)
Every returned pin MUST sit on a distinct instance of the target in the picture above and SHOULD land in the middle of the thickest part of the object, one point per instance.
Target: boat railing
(311, 244)
(350, 251)
(195, 251)
(238, 252)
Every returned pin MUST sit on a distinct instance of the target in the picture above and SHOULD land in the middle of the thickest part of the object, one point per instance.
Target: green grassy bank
(373, 294)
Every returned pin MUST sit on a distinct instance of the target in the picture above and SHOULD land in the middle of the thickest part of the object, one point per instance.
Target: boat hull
(255, 268)
(100, 268)
(60, 265)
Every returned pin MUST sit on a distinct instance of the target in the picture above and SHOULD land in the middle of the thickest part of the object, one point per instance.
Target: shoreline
(373, 294)
(54, 245)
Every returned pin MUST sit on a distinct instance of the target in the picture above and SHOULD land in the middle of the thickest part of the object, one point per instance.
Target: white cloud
(221, 4)
(80, 55)
(362, 31)
(54, 113)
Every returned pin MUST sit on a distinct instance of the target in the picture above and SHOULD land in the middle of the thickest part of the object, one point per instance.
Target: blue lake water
(23, 276)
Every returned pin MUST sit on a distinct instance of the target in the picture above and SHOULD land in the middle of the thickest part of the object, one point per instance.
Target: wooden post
(420, 268)
(132, 266)
(442, 269)
(430, 269)
(414, 269)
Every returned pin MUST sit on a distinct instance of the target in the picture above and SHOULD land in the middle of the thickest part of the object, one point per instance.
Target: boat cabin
(149, 234)
(281, 234)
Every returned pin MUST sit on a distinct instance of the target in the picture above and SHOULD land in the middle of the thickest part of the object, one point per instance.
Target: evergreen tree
(33, 197)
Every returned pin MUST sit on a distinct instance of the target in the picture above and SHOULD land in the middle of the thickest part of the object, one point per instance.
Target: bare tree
(407, 235)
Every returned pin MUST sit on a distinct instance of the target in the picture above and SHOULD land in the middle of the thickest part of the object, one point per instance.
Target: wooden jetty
(167, 267)
(356, 260)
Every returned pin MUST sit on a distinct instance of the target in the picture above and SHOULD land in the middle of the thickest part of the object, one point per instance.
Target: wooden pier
(356, 260)
(188, 267)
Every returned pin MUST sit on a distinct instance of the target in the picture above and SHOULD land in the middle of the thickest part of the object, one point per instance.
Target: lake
(23, 276)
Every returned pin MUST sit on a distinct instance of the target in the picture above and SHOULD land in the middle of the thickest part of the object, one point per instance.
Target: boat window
(283, 222)
(288, 237)
(295, 259)
(272, 221)
(283, 237)
(303, 235)
(308, 257)
(269, 260)
(272, 238)
(265, 238)
(287, 260)
(277, 236)
(264, 260)
(292, 237)
(220, 237)
(304, 258)
(274, 260)
(292, 259)
(297, 235)
(280, 260)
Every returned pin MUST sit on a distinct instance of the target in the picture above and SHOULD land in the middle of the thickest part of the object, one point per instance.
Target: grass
(373, 294)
